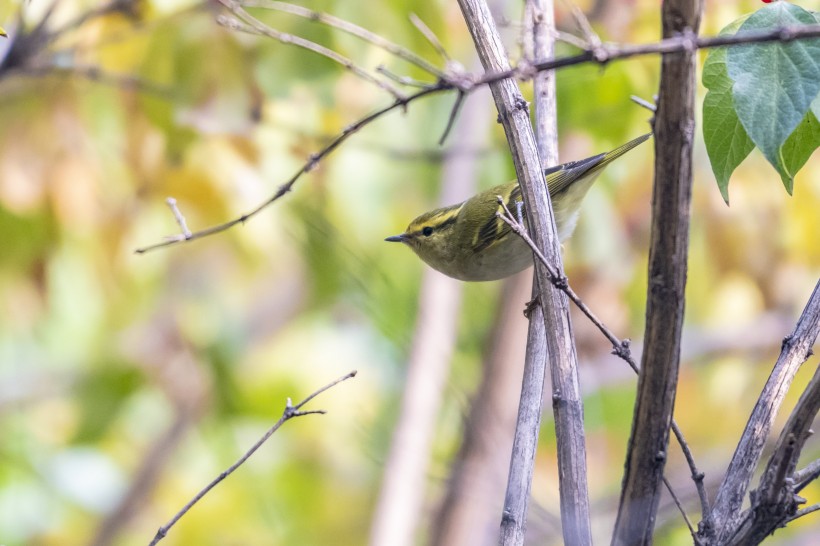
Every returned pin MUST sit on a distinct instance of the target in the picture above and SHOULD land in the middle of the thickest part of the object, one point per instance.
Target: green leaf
(726, 140)
(775, 83)
(800, 145)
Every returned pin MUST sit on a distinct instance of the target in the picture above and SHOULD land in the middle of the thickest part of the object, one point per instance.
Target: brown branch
(671, 198)
(290, 412)
(796, 349)
(775, 502)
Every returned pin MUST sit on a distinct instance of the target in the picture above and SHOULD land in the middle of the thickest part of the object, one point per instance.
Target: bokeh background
(127, 381)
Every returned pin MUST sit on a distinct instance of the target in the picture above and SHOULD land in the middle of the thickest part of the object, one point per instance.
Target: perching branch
(290, 412)
(530, 408)
(568, 410)
(620, 348)
(526, 70)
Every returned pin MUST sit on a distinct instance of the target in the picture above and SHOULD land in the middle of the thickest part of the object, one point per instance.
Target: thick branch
(794, 352)
(776, 500)
(657, 381)
(514, 115)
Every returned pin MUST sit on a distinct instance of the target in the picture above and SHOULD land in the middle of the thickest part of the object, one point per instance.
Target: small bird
(469, 242)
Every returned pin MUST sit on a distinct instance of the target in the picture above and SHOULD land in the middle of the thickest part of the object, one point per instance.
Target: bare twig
(592, 39)
(776, 500)
(794, 352)
(290, 412)
(453, 114)
(804, 512)
(524, 71)
(805, 476)
(252, 25)
(183, 226)
(643, 102)
(427, 32)
(346, 26)
(311, 163)
(403, 80)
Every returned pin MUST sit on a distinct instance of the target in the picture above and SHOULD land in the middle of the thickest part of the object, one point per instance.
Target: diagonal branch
(311, 163)
(776, 500)
(350, 28)
(796, 349)
(290, 412)
(620, 348)
(525, 71)
(252, 25)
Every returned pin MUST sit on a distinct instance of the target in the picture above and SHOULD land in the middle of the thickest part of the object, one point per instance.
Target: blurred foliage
(104, 352)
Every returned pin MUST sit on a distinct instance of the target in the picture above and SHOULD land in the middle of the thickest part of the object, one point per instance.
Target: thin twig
(805, 476)
(591, 37)
(312, 162)
(686, 519)
(252, 25)
(643, 102)
(94, 74)
(403, 80)
(430, 35)
(803, 512)
(620, 348)
(290, 412)
(452, 119)
(183, 226)
(346, 26)
(523, 71)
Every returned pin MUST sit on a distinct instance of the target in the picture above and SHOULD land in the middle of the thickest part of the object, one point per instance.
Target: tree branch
(568, 411)
(466, 83)
(657, 381)
(290, 412)
(796, 349)
(620, 348)
(775, 502)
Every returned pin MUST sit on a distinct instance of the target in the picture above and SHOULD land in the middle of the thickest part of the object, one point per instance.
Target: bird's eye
(427, 231)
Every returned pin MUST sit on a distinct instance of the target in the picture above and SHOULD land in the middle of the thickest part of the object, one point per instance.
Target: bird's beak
(397, 238)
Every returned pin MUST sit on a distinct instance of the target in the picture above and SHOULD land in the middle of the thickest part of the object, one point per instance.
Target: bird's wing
(494, 228)
(562, 176)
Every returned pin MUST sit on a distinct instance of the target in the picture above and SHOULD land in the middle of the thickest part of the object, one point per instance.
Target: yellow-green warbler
(469, 242)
